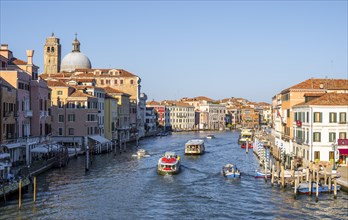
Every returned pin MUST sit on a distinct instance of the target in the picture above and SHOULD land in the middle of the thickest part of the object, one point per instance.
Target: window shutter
(319, 134)
(320, 117)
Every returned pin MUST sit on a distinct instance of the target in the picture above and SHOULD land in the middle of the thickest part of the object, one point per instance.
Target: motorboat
(210, 136)
(141, 153)
(230, 171)
(195, 147)
(303, 188)
(261, 174)
(169, 164)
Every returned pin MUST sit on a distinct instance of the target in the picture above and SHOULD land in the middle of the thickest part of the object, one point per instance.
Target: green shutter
(319, 136)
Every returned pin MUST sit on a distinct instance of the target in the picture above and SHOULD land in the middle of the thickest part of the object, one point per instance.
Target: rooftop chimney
(30, 54)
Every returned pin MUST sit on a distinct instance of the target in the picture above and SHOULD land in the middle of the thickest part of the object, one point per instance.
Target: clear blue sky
(251, 49)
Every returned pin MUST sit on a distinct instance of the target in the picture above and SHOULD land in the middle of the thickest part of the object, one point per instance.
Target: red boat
(243, 145)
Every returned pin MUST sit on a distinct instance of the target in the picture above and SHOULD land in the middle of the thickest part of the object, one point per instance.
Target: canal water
(125, 187)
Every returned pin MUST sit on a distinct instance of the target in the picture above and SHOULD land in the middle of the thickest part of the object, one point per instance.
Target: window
(59, 92)
(60, 118)
(102, 82)
(342, 135)
(317, 117)
(121, 81)
(317, 156)
(60, 104)
(115, 81)
(71, 117)
(307, 118)
(132, 82)
(332, 137)
(288, 113)
(60, 131)
(71, 131)
(333, 117)
(316, 137)
(343, 118)
(48, 49)
(52, 49)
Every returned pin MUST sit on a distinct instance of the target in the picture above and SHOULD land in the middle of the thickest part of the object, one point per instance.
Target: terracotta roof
(328, 99)
(52, 83)
(152, 103)
(203, 98)
(314, 94)
(331, 84)
(78, 93)
(17, 61)
(112, 90)
(123, 72)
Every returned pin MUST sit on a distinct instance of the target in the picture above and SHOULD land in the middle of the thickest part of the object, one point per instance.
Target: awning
(100, 139)
(343, 151)
(4, 155)
(45, 148)
(14, 145)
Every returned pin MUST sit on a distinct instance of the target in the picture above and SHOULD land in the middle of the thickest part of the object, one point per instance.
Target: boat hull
(168, 172)
(321, 189)
(232, 175)
(259, 174)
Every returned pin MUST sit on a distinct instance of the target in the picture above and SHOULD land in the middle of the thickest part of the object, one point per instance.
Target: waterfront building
(75, 114)
(31, 112)
(181, 115)
(150, 122)
(212, 116)
(111, 118)
(319, 123)
(163, 117)
(8, 95)
(295, 95)
(249, 117)
(123, 123)
(77, 65)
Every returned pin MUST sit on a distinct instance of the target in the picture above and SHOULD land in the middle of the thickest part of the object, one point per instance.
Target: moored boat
(168, 164)
(230, 171)
(261, 174)
(245, 135)
(195, 147)
(243, 145)
(210, 136)
(303, 188)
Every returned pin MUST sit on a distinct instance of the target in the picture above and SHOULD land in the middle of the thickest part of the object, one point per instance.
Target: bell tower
(52, 55)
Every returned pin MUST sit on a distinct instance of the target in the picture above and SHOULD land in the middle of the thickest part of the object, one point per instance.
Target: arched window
(52, 49)
(132, 81)
(48, 49)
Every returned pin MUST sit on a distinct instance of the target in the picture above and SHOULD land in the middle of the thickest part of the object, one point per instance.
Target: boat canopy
(195, 142)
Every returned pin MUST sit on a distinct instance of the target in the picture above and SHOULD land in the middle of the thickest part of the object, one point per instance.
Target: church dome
(75, 59)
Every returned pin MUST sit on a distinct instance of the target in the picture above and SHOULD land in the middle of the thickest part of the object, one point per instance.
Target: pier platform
(343, 181)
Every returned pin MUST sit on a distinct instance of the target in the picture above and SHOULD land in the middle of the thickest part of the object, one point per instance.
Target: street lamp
(334, 148)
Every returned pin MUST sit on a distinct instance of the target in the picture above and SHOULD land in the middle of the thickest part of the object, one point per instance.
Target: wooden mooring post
(20, 194)
(310, 173)
(317, 187)
(335, 188)
(282, 174)
(247, 147)
(272, 178)
(87, 158)
(34, 193)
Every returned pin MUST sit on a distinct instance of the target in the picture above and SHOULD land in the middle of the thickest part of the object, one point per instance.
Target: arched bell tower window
(52, 49)
(48, 49)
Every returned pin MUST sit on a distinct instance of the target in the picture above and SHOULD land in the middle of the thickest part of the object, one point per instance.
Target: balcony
(300, 141)
(28, 113)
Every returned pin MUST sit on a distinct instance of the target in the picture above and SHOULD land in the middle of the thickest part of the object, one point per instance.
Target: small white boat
(169, 164)
(230, 171)
(141, 153)
(195, 147)
(210, 136)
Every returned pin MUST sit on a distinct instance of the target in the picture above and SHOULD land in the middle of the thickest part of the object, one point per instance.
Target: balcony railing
(28, 113)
